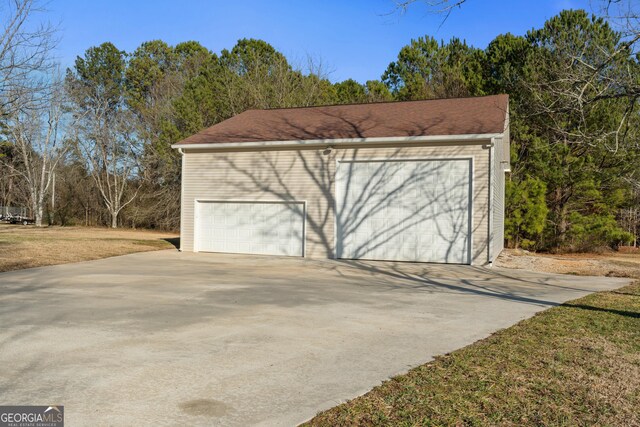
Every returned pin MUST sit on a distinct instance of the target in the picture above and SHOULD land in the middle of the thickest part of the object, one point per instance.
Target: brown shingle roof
(457, 116)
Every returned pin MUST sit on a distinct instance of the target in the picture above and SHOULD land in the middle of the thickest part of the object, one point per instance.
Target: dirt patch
(205, 407)
(26, 247)
(615, 264)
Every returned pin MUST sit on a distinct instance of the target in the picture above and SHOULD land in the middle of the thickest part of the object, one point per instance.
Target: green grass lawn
(576, 364)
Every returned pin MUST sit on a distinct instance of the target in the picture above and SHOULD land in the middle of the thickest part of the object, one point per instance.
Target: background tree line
(99, 134)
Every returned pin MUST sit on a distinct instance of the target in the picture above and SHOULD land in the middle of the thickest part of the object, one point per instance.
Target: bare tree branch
(25, 48)
(439, 7)
(35, 134)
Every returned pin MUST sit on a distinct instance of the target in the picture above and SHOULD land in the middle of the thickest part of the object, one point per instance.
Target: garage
(415, 181)
(404, 210)
(250, 227)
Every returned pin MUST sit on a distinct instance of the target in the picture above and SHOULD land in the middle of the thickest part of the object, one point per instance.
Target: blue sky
(354, 38)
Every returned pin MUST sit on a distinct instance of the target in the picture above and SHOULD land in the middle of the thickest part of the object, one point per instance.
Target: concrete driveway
(174, 338)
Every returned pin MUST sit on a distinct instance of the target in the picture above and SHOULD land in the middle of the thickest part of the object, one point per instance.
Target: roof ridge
(375, 103)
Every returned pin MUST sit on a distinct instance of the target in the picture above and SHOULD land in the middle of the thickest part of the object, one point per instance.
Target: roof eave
(463, 138)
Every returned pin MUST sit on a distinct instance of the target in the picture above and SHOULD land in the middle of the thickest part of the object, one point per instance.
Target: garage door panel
(414, 210)
(270, 228)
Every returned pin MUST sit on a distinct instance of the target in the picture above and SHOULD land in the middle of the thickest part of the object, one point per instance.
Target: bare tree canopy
(436, 6)
(31, 98)
(25, 47)
(36, 136)
(440, 7)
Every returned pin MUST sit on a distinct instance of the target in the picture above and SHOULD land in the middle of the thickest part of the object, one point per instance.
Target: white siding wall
(309, 175)
(498, 197)
(502, 164)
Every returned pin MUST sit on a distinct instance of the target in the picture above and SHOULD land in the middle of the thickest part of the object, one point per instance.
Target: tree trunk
(38, 216)
(562, 222)
(38, 209)
(563, 226)
(114, 219)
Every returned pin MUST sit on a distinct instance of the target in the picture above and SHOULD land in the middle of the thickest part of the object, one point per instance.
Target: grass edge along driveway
(575, 364)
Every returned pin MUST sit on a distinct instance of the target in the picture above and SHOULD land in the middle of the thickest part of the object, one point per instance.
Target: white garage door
(270, 228)
(409, 210)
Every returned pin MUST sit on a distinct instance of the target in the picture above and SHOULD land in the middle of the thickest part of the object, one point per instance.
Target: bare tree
(35, 132)
(105, 133)
(111, 152)
(12, 189)
(26, 93)
(25, 48)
